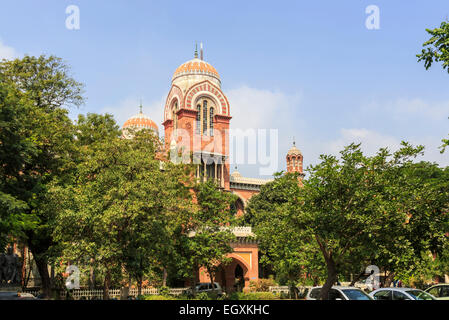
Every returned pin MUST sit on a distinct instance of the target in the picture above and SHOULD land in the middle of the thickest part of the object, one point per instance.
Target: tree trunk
(139, 286)
(52, 276)
(107, 283)
(212, 282)
(357, 278)
(331, 278)
(193, 284)
(124, 290)
(30, 269)
(92, 274)
(42, 267)
(388, 280)
(294, 292)
(164, 278)
(24, 270)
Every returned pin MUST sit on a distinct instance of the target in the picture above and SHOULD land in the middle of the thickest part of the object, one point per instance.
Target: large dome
(196, 67)
(195, 71)
(139, 121)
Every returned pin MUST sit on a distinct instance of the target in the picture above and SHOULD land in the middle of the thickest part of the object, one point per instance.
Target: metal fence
(89, 294)
(279, 289)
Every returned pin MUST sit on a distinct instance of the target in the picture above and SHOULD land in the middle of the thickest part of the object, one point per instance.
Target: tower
(295, 160)
(196, 119)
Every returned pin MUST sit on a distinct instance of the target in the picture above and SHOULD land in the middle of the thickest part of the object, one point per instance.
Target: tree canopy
(436, 49)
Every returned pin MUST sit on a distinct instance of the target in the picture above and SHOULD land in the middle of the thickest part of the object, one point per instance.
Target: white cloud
(405, 108)
(261, 109)
(129, 107)
(273, 109)
(7, 52)
(255, 109)
(371, 141)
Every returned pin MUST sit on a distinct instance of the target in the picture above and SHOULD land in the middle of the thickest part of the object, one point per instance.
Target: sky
(311, 70)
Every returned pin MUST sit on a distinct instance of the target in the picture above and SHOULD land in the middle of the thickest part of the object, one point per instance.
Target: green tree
(16, 151)
(436, 49)
(351, 203)
(211, 235)
(269, 213)
(420, 191)
(46, 85)
(122, 205)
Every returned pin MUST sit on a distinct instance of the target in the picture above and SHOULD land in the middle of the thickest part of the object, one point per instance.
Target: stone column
(222, 175)
(215, 173)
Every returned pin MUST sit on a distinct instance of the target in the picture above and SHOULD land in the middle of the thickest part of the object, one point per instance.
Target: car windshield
(354, 294)
(420, 295)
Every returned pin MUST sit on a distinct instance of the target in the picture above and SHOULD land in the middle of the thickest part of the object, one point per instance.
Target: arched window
(174, 116)
(205, 117)
(211, 121)
(198, 119)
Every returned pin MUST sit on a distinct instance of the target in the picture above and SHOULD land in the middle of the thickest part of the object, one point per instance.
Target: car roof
(397, 289)
(338, 287)
(439, 285)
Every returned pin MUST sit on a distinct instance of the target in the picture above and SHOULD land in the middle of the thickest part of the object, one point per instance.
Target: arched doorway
(239, 207)
(236, 274)
(239, 278)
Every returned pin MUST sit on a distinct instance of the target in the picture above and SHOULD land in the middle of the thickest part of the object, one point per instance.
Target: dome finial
(196, 50)
(140, 106)
(294, 141)
(201, 51)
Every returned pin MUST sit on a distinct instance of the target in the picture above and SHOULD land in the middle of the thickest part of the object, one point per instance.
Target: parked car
(339, 293)
(14, 295)
(207, 288)
(439, 291)
(401, 294)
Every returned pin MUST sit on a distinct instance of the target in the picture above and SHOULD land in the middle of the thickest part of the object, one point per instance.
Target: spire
(201, 51)
(294, 141)
(196, 50)
(140, 107)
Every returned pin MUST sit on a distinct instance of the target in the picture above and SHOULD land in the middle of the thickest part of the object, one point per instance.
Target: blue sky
(310, 69)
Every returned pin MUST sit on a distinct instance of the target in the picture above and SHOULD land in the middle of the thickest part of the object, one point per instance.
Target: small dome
(140, 121)
(194, 67)
(294, 151)
(236, 174)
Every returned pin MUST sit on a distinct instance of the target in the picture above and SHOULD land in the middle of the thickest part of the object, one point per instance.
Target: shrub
(158, 297)
(165, 291)
(261, 285)
(253, 296)
(203, 296)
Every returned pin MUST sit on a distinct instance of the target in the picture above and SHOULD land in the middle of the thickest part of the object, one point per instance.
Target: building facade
(197, 117)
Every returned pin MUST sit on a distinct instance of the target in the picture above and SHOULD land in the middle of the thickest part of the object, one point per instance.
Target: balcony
(240, 232)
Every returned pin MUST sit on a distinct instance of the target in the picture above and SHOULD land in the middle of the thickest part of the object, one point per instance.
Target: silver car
(207, 288)
(400, 294)
(339, 293)
(14, 295)
(439, 291)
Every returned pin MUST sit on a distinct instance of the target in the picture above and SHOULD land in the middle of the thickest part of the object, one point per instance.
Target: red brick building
(197, 116)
